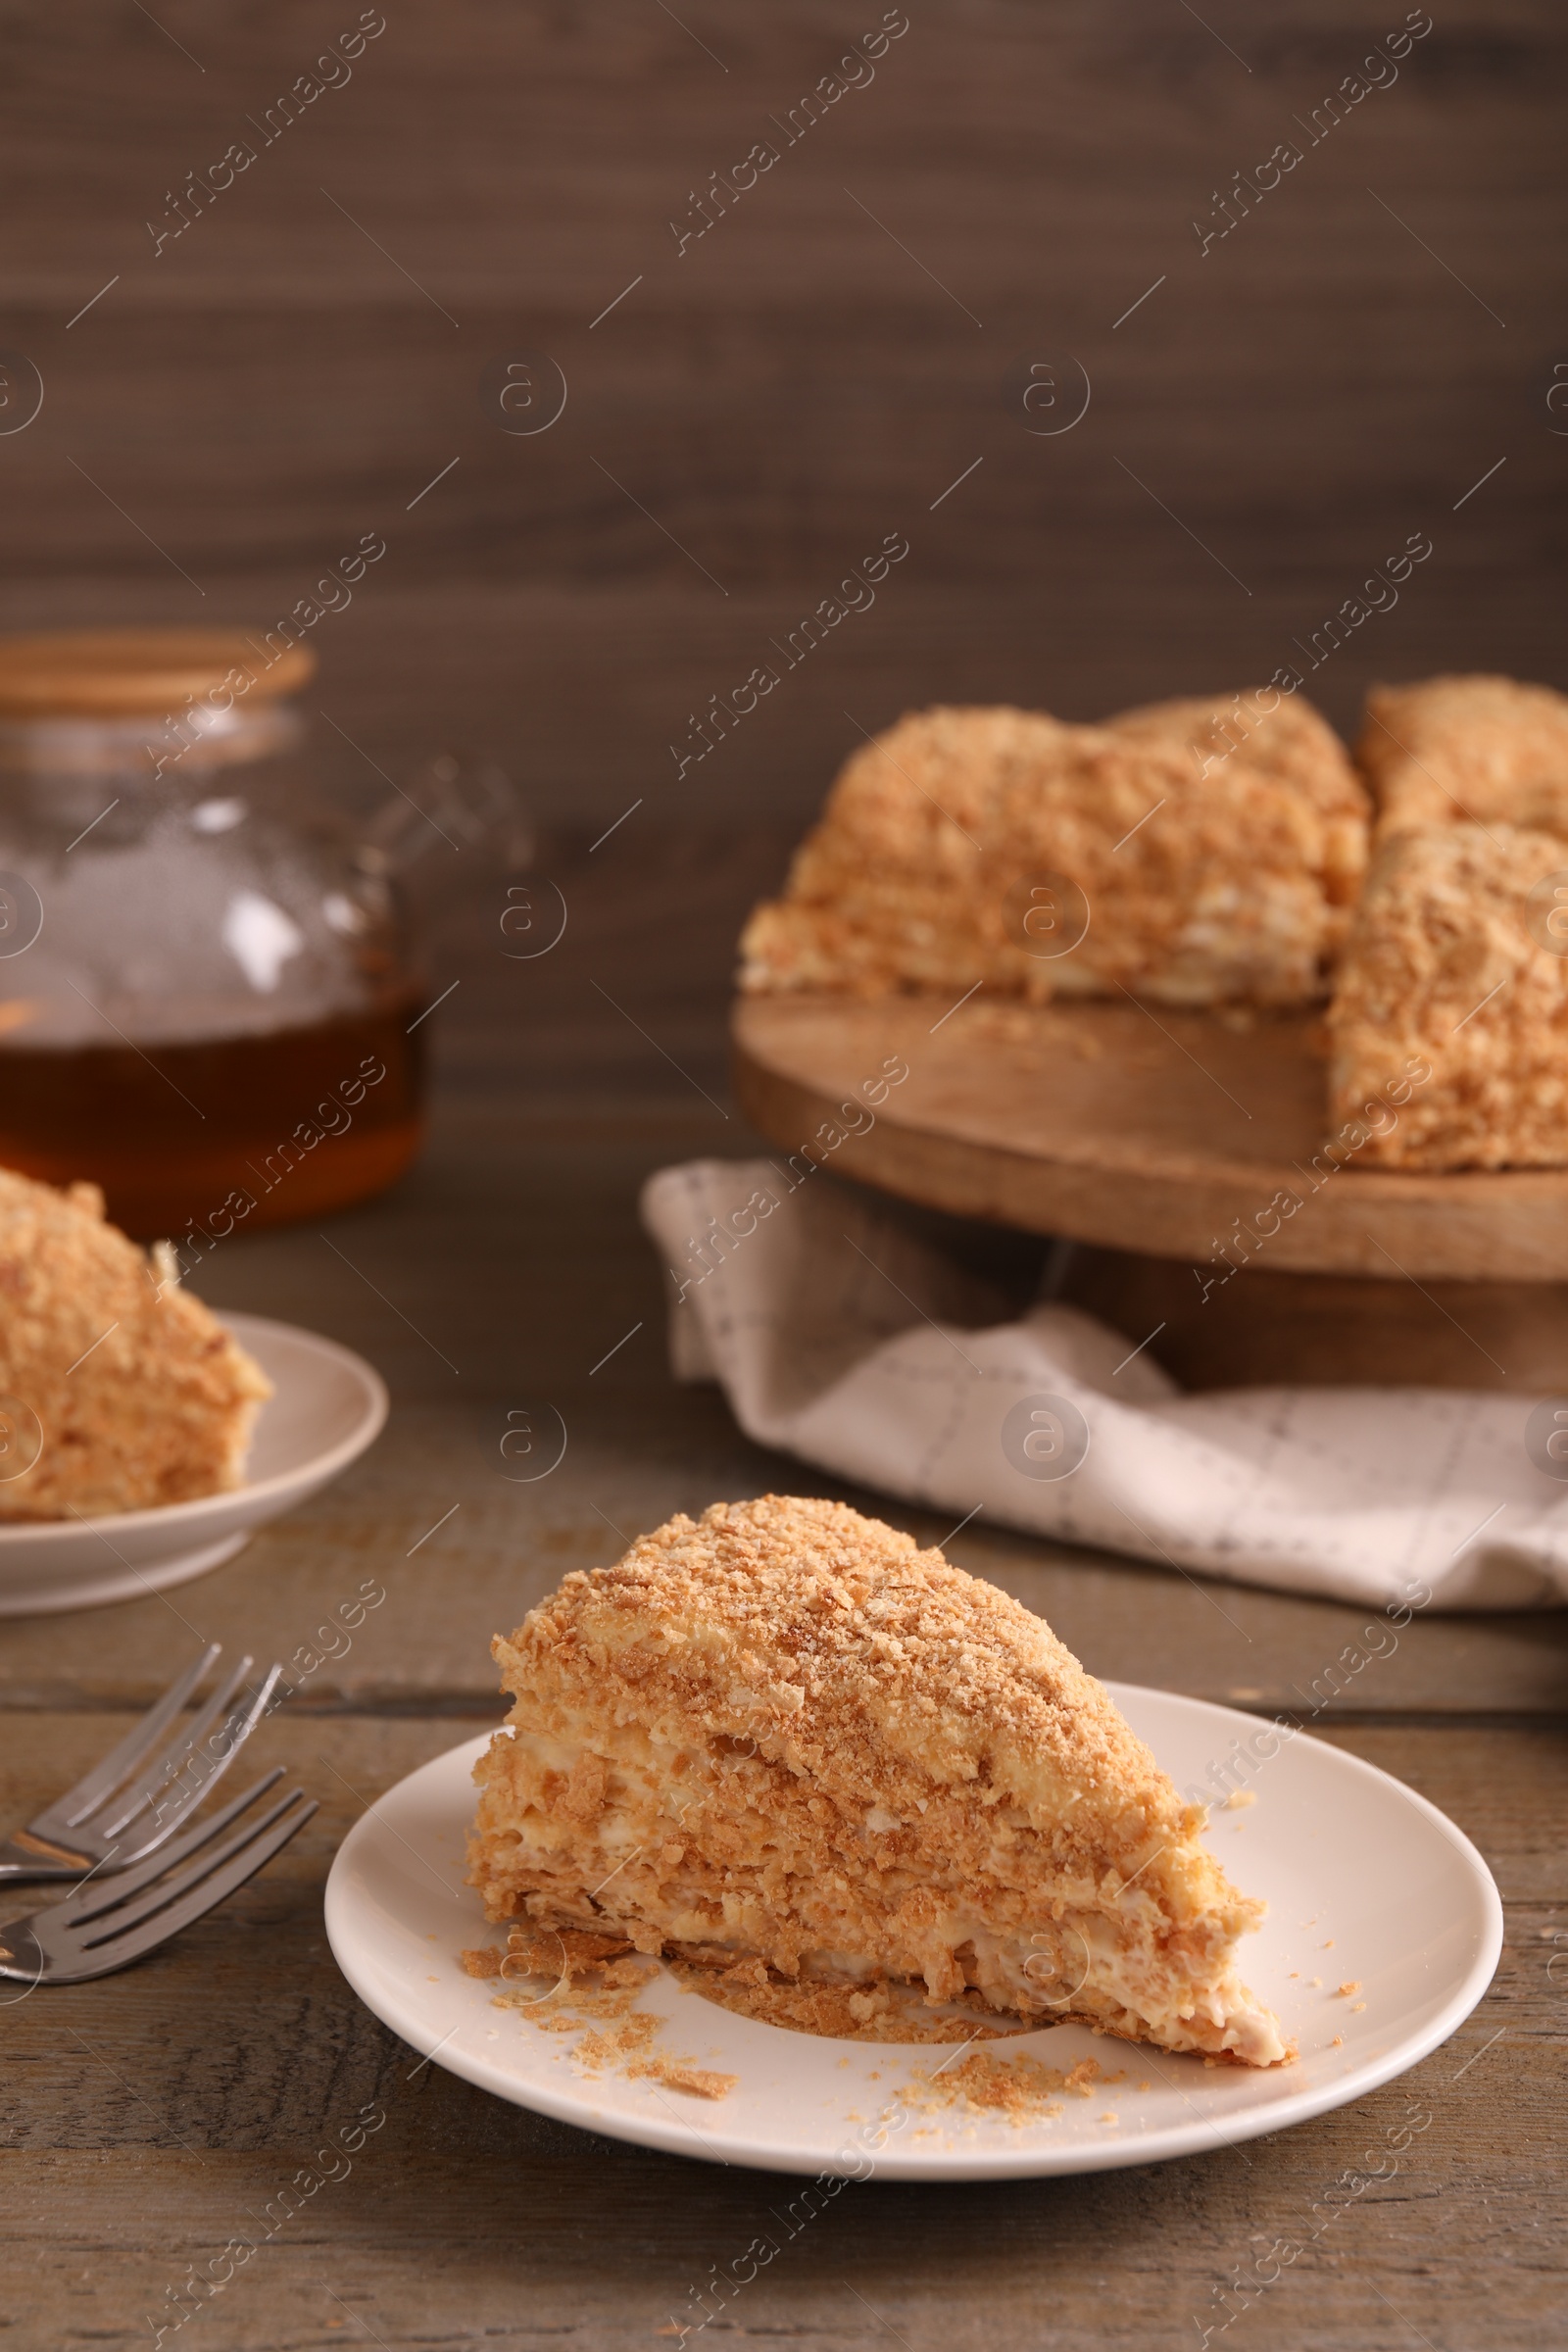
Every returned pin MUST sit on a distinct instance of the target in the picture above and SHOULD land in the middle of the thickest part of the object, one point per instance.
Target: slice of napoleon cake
(783, 1734)
(119, 1390)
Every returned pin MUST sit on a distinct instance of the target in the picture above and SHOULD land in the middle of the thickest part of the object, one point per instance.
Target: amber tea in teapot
(207, 1000)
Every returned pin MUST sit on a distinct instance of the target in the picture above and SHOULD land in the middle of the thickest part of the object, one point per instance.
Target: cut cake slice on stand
(1190, 853)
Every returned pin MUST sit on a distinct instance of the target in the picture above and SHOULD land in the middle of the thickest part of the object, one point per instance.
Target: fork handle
(27, 1858)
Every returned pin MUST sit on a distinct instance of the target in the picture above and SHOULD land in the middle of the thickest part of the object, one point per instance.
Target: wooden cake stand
(1171, 1147)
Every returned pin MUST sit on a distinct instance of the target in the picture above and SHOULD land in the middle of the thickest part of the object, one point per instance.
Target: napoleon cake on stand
(1139, 1060)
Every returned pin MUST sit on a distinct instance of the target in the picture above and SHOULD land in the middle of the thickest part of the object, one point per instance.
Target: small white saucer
(327, 1407)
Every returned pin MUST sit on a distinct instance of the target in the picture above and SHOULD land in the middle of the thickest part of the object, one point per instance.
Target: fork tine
(91, 1900)
(238, 1723)
(206, 1884)
(237, 1727)
(107, 1773)
(130, 1799)
(113, 1919)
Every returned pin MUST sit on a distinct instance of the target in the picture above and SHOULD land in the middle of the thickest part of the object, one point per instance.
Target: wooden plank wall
(765, 405)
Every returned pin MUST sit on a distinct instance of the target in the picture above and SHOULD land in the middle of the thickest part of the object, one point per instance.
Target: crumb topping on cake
(1288, 742)
(136, 1394)
(1477, 750)
(783, 1735)
(1201, 865)
(1443, 975)
(874, 1663)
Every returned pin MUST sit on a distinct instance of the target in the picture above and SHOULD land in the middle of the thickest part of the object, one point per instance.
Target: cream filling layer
(1087, 1958)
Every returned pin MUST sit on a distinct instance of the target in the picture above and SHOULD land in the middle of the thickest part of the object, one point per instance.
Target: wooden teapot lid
(109, 673)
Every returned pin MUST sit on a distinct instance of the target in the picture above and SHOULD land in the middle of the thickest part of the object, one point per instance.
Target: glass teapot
(209, 1003)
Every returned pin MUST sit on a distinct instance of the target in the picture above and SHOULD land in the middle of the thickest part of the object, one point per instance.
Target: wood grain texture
(145, 2123)
(1192, 1156)
(513, 1253)
(1260, 1327)
(150, 2116)
(230, 414)
(1277, 415)
(1139, 1129)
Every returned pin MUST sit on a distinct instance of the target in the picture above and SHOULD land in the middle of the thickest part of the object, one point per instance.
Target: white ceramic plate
(327, 1407)
(1339, 1849)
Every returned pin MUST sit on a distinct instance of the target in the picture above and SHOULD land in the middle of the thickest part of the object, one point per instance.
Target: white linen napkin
(844, 1336)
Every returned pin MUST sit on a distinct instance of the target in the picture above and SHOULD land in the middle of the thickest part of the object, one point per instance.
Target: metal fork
(110, 1923)
(127, 1805)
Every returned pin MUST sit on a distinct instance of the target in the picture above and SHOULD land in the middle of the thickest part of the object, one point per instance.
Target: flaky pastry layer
(1453, 750)
(1208, 861)
(119, 1387)
(1445, 971)
(783, 1732)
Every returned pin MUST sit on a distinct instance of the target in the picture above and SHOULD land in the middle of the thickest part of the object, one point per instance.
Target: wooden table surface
(145, 2118)
(848, 354)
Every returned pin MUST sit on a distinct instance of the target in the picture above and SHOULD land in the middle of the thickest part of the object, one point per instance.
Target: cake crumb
(1351, 1984)
(1238, 1799)
(1356, 2008)
(612, 2033)
(1338, 2044)
(697, 2082)
(552, 1950)
(596, 2051)
(1019, 2090)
